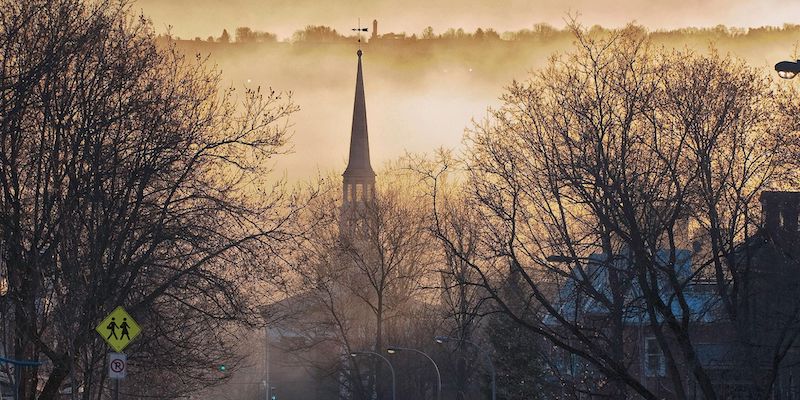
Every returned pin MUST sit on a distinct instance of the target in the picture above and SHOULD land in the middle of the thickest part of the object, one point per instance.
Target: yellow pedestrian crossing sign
(118, 329)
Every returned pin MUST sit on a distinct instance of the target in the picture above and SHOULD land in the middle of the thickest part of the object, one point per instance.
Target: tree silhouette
(126, 139)
(603, 160)
(317, 33)
(247, 35)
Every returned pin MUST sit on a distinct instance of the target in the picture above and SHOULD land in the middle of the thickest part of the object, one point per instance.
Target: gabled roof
(700, 298)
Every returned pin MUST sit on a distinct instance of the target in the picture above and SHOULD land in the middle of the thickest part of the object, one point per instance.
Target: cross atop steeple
(359, 30)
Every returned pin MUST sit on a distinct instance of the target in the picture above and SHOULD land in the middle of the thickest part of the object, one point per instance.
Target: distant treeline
(539, 32)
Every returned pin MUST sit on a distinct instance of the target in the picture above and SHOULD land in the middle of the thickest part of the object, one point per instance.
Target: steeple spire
(358, 162)
(358, 178)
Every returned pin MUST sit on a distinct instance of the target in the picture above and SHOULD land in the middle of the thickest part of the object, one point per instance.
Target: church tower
(359, 178)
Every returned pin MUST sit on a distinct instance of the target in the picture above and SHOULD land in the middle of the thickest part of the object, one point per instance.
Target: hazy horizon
(419, 97)
(191, 18)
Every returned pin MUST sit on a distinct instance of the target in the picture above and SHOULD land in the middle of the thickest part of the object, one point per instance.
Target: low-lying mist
(421, 94)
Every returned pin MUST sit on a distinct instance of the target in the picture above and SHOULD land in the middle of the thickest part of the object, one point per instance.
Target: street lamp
(445, 339)
(788, 69)
(395, 349)
(372, 353)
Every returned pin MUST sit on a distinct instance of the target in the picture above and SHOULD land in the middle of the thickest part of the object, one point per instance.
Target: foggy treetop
(538, 32)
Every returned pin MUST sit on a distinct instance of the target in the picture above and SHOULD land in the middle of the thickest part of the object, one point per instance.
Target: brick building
(758, 348)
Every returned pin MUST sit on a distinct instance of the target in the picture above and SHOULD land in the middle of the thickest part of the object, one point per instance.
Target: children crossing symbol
(118, 329)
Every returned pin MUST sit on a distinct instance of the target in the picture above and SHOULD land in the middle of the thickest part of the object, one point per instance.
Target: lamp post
(788, 69)
(391, 368)
(395, 349)
(445, 339)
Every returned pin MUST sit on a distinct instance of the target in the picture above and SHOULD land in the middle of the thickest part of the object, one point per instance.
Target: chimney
(374, 28)
(780, 212)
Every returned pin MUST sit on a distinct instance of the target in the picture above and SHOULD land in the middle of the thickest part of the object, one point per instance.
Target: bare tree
(128, 179)
(462, 303)
(364, 284)
(586, 182)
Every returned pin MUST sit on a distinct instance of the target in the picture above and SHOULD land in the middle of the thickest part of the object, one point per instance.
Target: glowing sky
(190, 18)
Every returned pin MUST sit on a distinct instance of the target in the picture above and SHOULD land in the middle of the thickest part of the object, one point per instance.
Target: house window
(654, 363)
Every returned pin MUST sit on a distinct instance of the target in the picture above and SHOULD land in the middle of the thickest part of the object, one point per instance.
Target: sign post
(117, 369)
(118, 329)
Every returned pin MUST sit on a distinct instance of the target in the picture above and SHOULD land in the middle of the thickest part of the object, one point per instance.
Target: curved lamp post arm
(436, 367)
(442, 339)
(391, 368)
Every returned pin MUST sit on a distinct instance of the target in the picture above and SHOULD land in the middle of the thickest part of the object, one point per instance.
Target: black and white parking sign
(117, 365)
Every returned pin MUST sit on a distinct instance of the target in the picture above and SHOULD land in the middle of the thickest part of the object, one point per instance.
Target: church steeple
(358, 178)
(358, 163)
